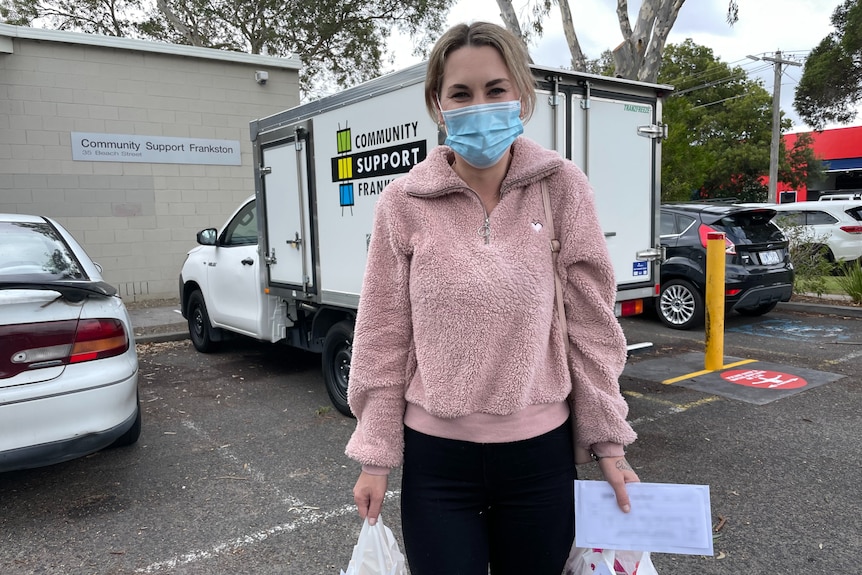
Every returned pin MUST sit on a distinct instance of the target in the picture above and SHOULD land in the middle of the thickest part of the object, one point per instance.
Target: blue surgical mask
(481, 134)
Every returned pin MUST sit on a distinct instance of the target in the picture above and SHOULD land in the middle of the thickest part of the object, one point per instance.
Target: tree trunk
(638, 57)
(178, 25)
(579, 62)
(510, 19)
(661, 28)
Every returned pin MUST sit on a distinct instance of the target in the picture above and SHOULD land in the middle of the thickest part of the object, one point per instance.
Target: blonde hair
(510, 47)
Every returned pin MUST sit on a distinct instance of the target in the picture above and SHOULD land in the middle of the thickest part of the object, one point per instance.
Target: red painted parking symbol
(763, 379)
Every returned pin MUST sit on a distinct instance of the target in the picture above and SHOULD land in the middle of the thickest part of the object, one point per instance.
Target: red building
(841, 152)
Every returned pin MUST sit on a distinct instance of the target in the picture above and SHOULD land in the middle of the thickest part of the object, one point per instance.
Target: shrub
(851, 280)
(808, 255)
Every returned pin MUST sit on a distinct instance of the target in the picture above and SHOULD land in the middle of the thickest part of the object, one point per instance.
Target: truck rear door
(612, 144)
(287, 222)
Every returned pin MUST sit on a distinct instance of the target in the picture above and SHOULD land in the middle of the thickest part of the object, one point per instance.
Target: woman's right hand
(368, 494)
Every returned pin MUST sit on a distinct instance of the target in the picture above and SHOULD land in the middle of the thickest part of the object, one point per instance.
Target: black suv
(758, 272)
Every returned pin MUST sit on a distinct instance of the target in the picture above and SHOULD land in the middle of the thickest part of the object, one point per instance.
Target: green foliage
(720, 130)
(850, 280)
(719, 127)
(808, 255)
(342, 42)
(831, 83)
(603, 65)
(107, 17)
(799, 166)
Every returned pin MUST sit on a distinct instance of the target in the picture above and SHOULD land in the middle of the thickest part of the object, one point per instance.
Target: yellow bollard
(715, 255)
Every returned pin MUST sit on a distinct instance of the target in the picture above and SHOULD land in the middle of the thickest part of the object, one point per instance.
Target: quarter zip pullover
(455, 325)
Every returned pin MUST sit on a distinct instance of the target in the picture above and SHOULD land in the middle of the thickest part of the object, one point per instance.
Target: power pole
(777, 63)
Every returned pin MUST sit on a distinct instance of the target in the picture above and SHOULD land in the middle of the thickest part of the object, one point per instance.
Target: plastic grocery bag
(609, 562)
(376, 552)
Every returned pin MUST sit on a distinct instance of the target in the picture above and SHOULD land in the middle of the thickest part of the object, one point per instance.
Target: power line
(719, 101)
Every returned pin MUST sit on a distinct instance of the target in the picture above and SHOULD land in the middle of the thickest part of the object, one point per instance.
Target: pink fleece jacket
(455, 322)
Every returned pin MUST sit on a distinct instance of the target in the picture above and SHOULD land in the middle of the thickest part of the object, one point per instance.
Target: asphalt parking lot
(240, 467)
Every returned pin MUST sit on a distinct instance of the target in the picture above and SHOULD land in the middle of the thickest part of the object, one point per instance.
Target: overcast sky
(764, 26)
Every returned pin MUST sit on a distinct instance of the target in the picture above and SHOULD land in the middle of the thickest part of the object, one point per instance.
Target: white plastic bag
(609, 562)
(376, 552)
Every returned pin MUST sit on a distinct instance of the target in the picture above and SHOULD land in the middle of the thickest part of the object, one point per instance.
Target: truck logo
(375, 163)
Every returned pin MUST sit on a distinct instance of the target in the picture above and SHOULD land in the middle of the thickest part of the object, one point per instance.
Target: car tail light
(704, 230)
(731, 292)
(631, 307)
(49, 344)
(852, 229)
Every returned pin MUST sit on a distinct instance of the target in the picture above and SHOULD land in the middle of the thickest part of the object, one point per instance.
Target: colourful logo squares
(345, 193)
(345, 168)
(343, 139)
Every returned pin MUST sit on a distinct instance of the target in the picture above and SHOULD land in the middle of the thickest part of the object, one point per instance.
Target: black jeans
(465, 506)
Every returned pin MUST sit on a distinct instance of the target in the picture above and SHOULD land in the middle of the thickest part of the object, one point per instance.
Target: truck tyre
(337, 353)
(200, 330)
(680, 305)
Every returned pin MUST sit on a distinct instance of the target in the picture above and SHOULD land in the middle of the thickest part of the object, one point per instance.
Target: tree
(107, 17)
(719, 130)
(799, 165)
(337, 39)
(831, 83)
(638, 57)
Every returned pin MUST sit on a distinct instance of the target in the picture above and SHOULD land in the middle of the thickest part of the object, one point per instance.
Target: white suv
(837, 224)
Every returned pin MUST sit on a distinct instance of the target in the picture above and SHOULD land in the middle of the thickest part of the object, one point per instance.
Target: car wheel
(337, 353)
(132, 434)
(680, 305)
(757, 310)
(200, 330)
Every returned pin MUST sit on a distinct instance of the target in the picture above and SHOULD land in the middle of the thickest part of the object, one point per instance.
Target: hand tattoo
(623, 465)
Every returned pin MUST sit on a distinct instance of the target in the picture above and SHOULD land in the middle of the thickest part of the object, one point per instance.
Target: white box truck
(288, 265)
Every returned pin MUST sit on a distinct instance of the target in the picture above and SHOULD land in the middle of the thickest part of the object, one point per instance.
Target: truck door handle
(295, 243)
(247, 262)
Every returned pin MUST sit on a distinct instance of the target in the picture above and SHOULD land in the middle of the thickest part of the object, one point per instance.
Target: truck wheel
(200, 330)
(337, 353)
(680, 305)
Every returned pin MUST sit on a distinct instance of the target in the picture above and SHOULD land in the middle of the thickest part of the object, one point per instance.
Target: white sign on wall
(91, 147)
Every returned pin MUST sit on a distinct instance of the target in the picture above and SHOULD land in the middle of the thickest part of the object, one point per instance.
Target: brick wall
(135, 219)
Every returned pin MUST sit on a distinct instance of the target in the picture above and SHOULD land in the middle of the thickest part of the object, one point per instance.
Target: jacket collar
(435, 177)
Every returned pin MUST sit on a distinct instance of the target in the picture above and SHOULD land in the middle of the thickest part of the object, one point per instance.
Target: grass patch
(849, 283)
(832, 285)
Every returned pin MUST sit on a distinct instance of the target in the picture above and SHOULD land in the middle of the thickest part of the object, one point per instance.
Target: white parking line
(310, 515)
(247, 468)
(240, 542)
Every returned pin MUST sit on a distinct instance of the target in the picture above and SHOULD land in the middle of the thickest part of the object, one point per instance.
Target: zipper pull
(485, 230)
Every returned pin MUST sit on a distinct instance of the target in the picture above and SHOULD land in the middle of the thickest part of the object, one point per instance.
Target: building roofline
(64, 37)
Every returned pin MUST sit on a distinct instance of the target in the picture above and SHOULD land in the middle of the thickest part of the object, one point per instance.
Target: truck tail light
(631, 307)
(704, 230)
(49, 344)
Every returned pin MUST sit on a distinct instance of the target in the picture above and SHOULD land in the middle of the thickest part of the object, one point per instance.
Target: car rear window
(750, 228)
(819, 218)
(855, 213)
(34, 249)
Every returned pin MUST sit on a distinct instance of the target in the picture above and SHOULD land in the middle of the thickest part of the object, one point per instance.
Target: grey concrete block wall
(137, 220)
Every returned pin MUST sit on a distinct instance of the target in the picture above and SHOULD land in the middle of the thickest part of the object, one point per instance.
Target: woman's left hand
(618, 472)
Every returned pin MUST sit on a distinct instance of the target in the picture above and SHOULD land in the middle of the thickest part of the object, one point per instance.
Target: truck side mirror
(207, 237)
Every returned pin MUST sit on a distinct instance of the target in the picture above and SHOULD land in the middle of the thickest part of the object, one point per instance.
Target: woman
(459, 367)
